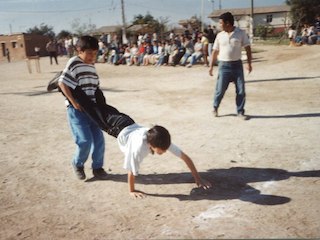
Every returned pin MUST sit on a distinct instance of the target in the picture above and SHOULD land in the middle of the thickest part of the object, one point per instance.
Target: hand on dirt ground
(205, 184)
(137, 194)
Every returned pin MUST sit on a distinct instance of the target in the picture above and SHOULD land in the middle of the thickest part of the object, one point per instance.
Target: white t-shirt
(132, 141)
(230, 45)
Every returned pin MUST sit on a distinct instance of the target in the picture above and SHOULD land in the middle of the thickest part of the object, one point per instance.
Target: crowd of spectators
(185, 49)
(310, 34)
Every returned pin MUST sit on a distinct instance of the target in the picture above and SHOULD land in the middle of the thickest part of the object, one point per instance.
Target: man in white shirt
(227, 49)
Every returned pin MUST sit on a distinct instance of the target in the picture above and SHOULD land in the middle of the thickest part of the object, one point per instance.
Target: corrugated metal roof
(247, 11)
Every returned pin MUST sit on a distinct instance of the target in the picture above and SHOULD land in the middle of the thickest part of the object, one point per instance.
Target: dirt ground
(265, 171)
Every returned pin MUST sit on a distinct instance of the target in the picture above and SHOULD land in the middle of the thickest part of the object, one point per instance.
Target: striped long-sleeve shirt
(77, 73)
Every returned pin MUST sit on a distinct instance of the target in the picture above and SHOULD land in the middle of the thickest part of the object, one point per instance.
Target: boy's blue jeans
(230, 72)
(88, 137)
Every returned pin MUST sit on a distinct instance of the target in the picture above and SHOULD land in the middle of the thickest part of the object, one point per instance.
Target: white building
(276, 17)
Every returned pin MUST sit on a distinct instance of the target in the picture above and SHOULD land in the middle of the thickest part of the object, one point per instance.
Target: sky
(20, 15)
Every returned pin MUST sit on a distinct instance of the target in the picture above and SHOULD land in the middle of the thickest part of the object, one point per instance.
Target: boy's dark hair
(159, 137)
(87, 43)
(227, 17)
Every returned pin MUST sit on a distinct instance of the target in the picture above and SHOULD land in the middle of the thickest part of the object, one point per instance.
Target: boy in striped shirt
(80, 72)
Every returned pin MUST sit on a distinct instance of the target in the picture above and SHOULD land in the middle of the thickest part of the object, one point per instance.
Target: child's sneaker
(100, 173)
(79, 171)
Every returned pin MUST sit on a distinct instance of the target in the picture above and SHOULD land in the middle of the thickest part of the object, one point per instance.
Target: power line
(56, 11)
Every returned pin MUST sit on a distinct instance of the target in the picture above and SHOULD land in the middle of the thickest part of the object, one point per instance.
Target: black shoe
(79, 171)
(53, 84)
(243, 117)
(215, 112)
(100, 173)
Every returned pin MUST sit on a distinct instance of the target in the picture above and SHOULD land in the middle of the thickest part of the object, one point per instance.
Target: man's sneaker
(215, 112)
(243, 117)
(100, 173)
(79, 171)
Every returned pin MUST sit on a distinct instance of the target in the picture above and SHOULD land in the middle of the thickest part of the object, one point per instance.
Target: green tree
(43, 29)
(140, 19)
(158, 26)
(303, 11)
(64, 34)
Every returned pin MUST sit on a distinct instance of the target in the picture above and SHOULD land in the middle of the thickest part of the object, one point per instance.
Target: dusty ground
(265, 171)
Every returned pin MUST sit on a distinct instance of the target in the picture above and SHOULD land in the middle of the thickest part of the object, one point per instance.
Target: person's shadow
(232, 183)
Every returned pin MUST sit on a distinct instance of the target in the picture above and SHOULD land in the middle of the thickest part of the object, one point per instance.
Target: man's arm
(132, 191)
(199, 181)
(213, 60)
(66, 91)
(249, 58)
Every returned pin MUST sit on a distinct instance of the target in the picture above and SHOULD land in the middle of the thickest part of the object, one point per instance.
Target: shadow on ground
(232, 183)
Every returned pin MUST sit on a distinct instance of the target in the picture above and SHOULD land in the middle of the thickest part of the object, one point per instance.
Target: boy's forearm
(66, 91)
(192, 167)
(131, 180)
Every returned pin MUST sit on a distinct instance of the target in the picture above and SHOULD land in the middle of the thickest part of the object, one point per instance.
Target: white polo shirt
(230, 45)
(132, 141)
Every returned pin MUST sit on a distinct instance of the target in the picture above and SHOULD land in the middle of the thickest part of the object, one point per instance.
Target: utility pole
(124, 34)
(251, 22)
(202, 13)
(220, 5)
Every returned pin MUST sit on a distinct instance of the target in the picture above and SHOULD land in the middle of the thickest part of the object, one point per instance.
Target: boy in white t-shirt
(136, 142)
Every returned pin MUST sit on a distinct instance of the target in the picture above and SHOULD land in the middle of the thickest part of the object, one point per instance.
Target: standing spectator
(37, 51)
(172, 35)
(317, 29)
(292, 36)
(227, 48)
(8, 54)
(205, 43)
(52, 49)
(211, 37)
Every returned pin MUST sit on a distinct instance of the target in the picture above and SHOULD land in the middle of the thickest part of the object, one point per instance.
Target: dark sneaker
(53, 84)
(100, 173)
(79, 171)
(215, 112)
(243, 117)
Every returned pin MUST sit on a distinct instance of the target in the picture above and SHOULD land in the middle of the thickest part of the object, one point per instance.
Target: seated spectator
(198, 47)
(154, 55)
(188, 44)
(142, 52)
(161, 54)
(148, 53)
(173, 50)
(134, 54)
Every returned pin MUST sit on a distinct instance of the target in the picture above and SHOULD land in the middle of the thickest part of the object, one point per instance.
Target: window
(14, 44)
(269, 18)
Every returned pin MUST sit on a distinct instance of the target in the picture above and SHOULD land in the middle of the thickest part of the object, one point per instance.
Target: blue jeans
(185, 58)
(230, 72)
(88, 137)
